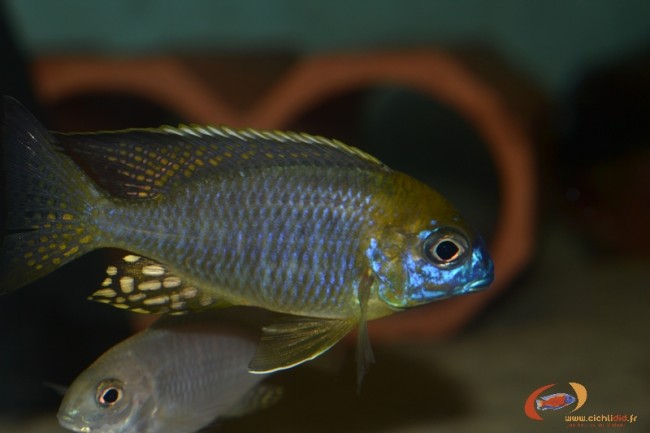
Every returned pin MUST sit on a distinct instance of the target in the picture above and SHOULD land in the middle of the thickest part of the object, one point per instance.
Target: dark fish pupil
(110, 395)
(446, 250)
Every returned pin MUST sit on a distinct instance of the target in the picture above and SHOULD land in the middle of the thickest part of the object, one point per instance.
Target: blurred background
(533, 117)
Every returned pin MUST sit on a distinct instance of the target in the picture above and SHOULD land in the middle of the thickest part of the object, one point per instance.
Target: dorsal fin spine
(250, 133)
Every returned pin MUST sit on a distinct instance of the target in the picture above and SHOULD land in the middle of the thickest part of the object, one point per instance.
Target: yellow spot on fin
(143, 285)
(131, 258)
(296, 339)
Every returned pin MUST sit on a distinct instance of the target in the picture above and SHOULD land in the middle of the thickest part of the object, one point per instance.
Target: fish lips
(485, 276)
(477, 285)
(72, 423)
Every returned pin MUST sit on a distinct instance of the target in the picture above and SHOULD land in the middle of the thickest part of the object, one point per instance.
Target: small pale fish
(174, 377)
(211, 217)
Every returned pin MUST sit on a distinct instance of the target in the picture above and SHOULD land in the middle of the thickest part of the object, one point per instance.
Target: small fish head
(105, 399)
(569, 399)
(437, 262)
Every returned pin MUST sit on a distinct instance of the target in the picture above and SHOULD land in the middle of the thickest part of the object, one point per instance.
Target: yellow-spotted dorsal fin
(143, 163)
(143, 285)
(296, 339)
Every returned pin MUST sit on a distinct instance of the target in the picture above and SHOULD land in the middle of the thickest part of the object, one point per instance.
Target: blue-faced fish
(174, 377)
(213, 217)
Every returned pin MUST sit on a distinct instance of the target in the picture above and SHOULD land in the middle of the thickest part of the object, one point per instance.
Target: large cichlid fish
(212, 217)
(174, 377)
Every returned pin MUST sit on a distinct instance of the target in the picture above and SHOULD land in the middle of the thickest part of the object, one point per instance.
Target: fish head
(111, 396)
(427, 253)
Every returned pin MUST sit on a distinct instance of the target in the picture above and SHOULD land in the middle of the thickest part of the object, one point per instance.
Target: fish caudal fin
(145, 286)
(49, 201)
(296, 339)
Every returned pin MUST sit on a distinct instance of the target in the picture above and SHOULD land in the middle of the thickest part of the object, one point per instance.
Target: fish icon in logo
(554, 401)
(534, 403)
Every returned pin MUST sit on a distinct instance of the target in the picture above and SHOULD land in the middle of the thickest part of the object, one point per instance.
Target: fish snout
(70, 420)
(481, 272)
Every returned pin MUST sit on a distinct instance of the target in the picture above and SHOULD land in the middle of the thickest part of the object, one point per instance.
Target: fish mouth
(479, 284)
(476, 285)
(488, 277)
(72, 423)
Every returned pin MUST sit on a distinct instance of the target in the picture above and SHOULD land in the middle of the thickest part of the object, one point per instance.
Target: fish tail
(49, 202)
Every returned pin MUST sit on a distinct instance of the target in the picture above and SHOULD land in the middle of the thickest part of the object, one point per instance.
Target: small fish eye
(445, 247)
(108, 393)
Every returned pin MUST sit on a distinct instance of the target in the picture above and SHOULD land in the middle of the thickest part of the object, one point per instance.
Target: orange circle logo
(536, 402)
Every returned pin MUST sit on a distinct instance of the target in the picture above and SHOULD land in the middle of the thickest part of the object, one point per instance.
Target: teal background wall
(552, 41)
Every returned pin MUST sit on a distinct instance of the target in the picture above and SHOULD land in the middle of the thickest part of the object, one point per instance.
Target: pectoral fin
(296, 339)
(258, 398)
(365, 357)
(143, 285)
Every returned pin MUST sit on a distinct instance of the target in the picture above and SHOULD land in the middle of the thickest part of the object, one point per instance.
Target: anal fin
(296, 339)
(142, 285)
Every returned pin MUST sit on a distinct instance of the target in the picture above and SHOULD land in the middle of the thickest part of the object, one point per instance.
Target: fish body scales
(195, 374)
(285, 239)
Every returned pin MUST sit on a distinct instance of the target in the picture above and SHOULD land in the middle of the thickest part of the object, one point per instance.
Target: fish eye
(109, 392)
(445, 247)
